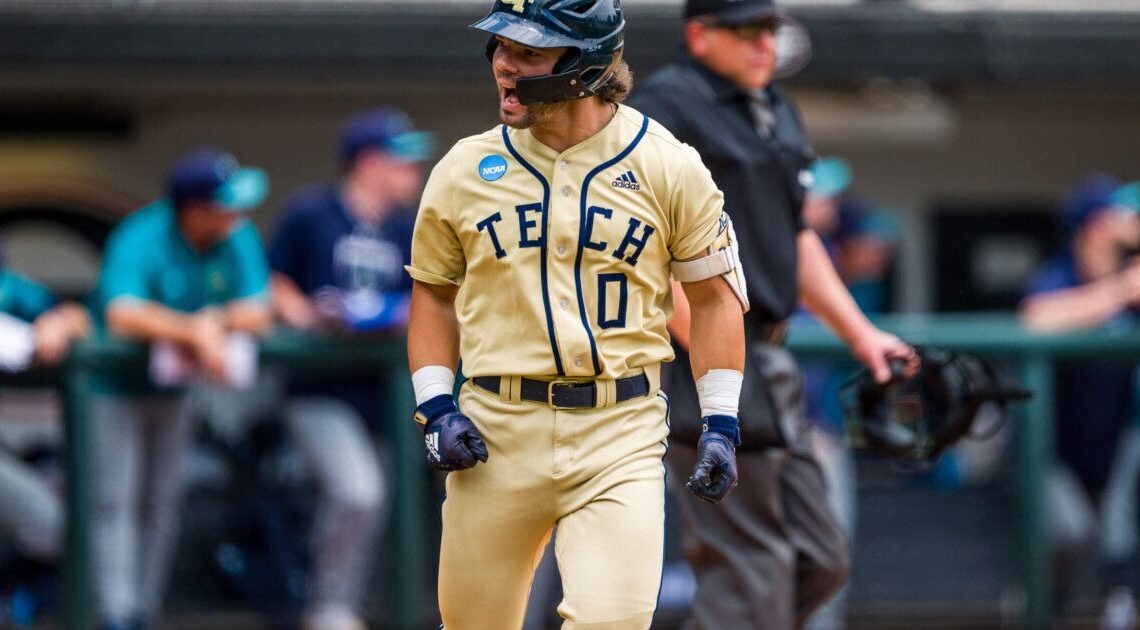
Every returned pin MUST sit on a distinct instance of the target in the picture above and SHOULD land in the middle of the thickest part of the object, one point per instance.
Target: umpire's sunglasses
(748, 31)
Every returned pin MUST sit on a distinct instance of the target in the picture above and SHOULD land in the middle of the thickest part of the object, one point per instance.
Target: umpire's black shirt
(760, 176)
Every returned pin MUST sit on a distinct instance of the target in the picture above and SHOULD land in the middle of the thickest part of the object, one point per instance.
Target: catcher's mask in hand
(915, 419)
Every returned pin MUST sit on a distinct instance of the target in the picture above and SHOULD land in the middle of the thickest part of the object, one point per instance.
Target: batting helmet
(592, 30)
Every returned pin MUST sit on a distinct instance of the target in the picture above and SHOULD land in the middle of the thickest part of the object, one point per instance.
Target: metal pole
(76, 391)
(411, 475)
(1036, 436)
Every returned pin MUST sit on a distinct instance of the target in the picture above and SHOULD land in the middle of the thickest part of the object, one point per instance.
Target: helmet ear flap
(569, 59)
(489, 48)
(597, 76)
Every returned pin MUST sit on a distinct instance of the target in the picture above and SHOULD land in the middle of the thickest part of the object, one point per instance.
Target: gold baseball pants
(596, 474)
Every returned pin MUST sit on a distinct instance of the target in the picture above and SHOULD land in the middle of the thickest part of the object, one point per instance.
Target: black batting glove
(450, 438)
(715, 474)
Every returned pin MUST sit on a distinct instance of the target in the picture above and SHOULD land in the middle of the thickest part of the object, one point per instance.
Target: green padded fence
(993, 335)
(1000, 336)
(407, 600)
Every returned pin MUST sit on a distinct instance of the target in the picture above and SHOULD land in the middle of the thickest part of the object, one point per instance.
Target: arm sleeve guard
(722, 259)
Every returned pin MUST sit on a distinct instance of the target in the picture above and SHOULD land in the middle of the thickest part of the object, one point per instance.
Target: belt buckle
(550, 399)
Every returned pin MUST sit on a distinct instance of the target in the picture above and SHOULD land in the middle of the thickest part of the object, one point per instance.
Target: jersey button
(565, 304)
(561, 248)
(578, 362)
(564, 165)
(566, 191)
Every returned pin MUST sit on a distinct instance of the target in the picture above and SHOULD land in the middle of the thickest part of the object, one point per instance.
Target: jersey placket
(564, 226)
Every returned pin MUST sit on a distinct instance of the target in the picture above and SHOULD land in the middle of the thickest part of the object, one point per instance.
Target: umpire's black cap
(730, 11)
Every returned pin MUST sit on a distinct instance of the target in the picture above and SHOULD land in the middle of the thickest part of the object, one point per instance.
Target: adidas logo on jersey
(627, 181)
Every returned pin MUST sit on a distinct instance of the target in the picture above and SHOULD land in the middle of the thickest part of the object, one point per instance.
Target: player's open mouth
(508, 98)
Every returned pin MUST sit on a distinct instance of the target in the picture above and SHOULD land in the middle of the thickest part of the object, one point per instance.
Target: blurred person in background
(337, 268)
(829, 178)
(771, 553)
(35, 329)
(864, 246)
(182, 273)
(1094, 283)
(862, 243)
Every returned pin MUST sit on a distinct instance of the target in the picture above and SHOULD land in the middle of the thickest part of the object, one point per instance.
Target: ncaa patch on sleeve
(492, 167)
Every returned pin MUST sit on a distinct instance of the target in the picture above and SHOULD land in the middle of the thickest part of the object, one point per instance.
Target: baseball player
(1094, 282)
(337, 261)
(30, 512)
(186, 269)
(541, 257)
(772, 553)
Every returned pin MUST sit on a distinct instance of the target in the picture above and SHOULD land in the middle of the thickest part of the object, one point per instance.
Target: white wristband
(719, 392)
(431, 381)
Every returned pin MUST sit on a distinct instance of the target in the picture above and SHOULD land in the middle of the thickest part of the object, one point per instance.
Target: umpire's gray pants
(138, 446)
(772, 552)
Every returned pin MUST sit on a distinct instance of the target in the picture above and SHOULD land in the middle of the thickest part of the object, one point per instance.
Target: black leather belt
(562, 394)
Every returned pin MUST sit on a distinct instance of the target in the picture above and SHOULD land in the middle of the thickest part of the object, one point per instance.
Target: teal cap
(830, 177)
(213, 175)
(1126, 197)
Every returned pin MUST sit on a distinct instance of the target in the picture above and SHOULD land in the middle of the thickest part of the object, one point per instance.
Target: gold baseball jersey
(562, 259)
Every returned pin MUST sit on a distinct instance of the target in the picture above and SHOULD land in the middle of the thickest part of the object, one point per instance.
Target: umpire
(772, 553)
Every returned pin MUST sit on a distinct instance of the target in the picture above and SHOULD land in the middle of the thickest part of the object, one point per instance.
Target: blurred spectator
(863, 247)
(337, 261)
(830, 177)
(182, 274)
(1093, 283)
(861, 243)
(34, 329)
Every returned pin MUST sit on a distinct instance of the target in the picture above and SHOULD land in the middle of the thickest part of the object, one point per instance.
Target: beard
(535, 115)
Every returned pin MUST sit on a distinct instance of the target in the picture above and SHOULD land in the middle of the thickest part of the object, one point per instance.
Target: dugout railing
(992, 335)
(1001, 337)
(407, 592)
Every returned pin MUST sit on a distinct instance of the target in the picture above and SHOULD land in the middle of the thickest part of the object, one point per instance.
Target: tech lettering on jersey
(526, 225)
(488, 225)
(561, 272)
(638, 243)
(637, 234)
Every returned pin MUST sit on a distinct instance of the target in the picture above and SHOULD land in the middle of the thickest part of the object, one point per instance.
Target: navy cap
(730, 11)
(388, 130)
(214, 176)
(1097, 193)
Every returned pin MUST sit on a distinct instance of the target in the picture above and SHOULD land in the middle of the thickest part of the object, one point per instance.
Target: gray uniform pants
(772, 552)
(138, 446)
(29, 511)
(342, 456)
